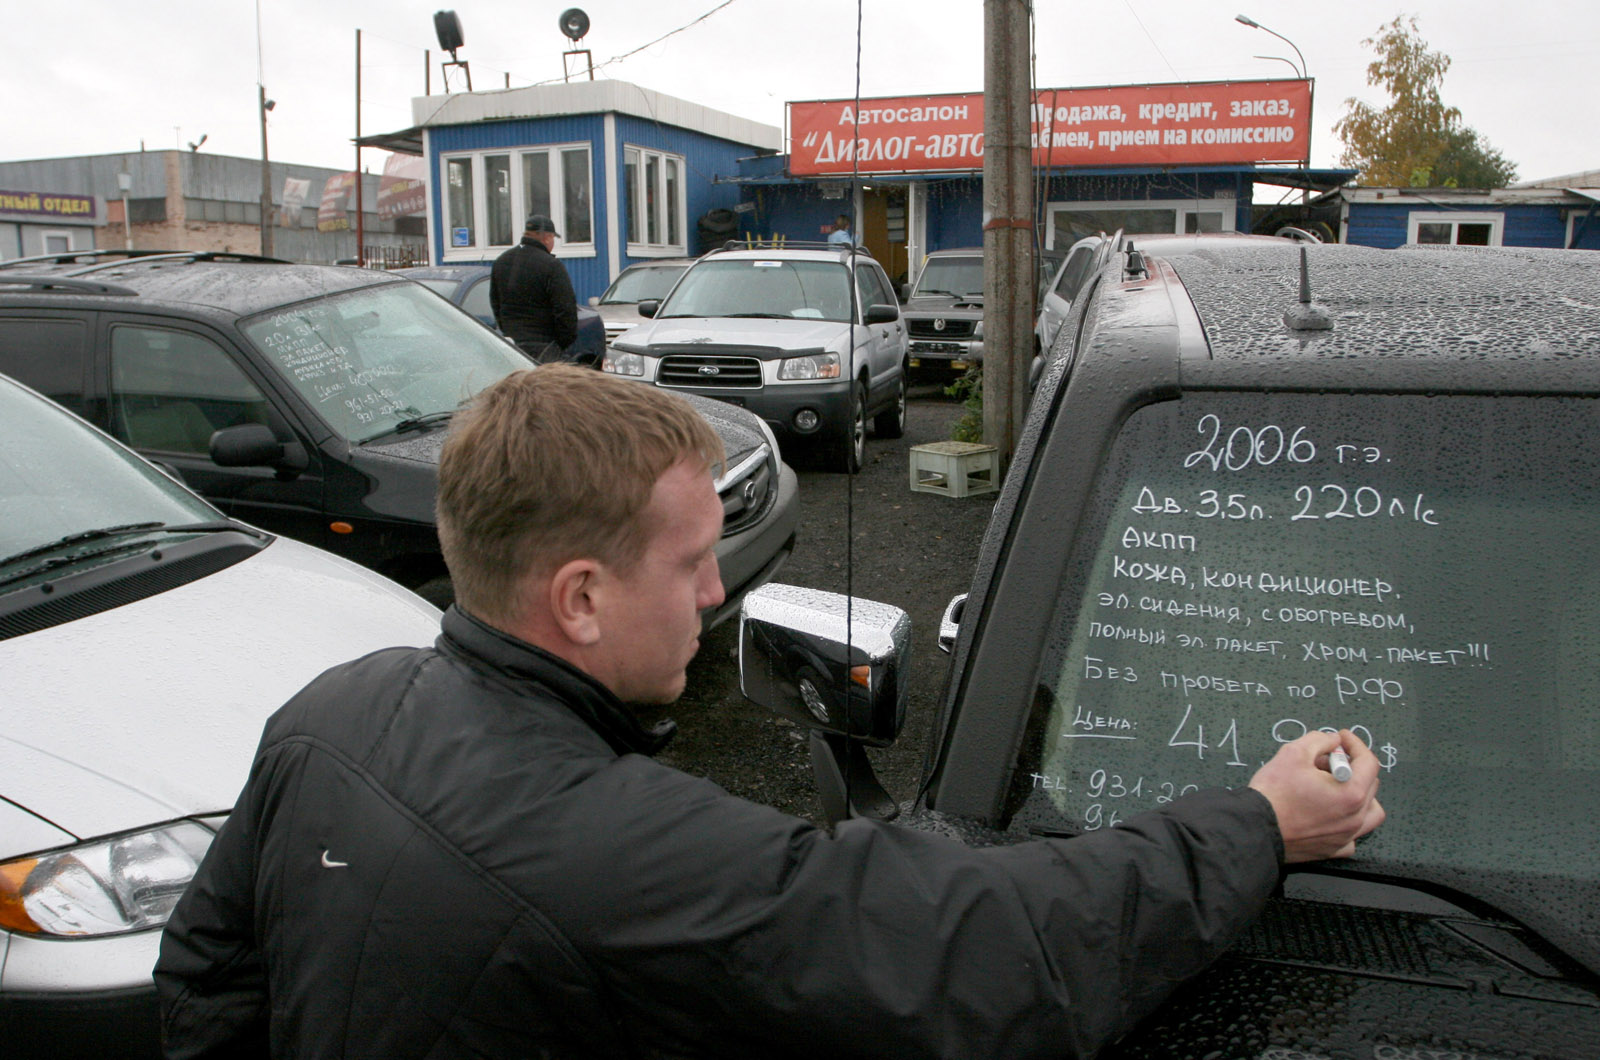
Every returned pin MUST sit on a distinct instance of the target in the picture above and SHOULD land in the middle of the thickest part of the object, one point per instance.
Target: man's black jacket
(460, 851)
(531, 295)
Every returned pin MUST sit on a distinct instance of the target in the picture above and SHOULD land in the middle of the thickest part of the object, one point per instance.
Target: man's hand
(1318, 816)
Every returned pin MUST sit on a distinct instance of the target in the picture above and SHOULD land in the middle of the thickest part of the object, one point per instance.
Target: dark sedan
(467, 286)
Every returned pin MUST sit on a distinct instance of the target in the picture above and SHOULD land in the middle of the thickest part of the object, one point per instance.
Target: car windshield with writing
(1418, 569)
(759, 287)
(376, 360)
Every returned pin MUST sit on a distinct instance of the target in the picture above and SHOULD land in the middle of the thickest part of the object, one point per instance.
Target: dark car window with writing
(375, 357)
(1420, 570)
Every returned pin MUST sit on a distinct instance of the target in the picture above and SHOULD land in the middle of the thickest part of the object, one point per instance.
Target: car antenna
(1306, 315)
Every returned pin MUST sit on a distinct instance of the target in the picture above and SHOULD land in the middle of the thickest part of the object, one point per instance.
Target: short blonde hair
(554, 464)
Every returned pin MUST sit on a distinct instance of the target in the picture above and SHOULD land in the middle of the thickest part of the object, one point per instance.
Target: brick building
(186, 200)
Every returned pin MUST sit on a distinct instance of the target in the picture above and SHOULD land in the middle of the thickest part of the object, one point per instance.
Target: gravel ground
(913, 550)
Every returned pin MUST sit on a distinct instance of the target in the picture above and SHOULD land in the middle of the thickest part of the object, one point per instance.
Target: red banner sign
(403, 190)
(1220, 123)
(331, 214)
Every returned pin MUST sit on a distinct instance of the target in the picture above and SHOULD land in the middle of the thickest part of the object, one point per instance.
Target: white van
(144, 639)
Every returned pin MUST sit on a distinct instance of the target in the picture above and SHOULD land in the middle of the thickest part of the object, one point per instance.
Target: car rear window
(1419, 569)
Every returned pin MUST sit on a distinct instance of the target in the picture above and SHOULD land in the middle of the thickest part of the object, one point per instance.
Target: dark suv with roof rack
(806, 335)
(1241, 509)
(309, 400)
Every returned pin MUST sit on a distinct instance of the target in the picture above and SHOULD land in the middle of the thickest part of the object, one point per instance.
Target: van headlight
(811, 366)
(103, 887)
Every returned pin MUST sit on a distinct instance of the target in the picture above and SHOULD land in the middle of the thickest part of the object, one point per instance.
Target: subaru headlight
(977, 330)
(811, 366)
(619, 361)
(103, 887)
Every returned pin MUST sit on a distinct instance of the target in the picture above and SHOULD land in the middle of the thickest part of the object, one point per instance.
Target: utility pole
(265, 105)
(361, 217)
(1009, 272)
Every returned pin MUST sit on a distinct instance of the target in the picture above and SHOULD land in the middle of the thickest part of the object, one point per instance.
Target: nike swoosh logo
(330, 864)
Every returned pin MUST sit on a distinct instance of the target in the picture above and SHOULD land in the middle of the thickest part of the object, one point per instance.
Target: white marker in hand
(1339, 765)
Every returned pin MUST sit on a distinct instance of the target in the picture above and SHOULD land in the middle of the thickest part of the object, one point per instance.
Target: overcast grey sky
(113, 76)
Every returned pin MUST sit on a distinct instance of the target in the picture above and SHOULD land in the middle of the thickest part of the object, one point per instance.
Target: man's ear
(575, 600)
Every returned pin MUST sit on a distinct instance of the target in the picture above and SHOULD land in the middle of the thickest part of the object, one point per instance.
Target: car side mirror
(254, 445)
(834, 664)
(882, 314)
(648, 308)
(594, 300)
(950, 623)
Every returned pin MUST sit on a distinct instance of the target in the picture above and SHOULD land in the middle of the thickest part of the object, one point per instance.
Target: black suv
(1239, 512)
(309, 400)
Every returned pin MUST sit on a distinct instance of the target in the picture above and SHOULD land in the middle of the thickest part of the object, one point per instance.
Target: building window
(461, 218)
(1072, 221)
(493, 194)
(656, 208)
(1458, 229)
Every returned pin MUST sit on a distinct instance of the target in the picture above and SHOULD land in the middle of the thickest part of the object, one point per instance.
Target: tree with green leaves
(1416, 141)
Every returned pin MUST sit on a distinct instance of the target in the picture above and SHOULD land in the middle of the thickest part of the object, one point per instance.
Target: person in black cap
(531, 294)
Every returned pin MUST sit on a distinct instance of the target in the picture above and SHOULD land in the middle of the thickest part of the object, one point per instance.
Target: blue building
(1558, 212)
(626, 173)
(902, 217)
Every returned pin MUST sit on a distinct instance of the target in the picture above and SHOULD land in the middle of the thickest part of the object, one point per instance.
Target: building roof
(1588, 181)
(572, 98)
(1455, 198)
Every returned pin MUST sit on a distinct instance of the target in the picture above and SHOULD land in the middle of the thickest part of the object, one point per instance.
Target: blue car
(467, 286)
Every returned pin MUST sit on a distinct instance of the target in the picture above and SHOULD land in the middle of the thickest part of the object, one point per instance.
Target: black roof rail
(65, 285)
(69, 257)
(180, 256)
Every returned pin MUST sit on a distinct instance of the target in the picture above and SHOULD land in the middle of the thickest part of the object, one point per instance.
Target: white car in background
(643, 281)
(144, 640)
(1083, 258)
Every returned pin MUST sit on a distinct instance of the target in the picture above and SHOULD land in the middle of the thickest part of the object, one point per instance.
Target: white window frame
(480, 248)
(680, 205)
(1456, 218)
(1181, 209)
(47, 234)
(1575, 218)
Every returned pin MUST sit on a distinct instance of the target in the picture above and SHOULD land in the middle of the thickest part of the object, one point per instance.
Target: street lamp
(266, 177)
(1253, 24)
(1305, 196)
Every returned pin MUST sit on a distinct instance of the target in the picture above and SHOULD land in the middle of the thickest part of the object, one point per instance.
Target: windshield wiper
(413, 423)
(81, 536)
(142, 529)
(762, 316)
